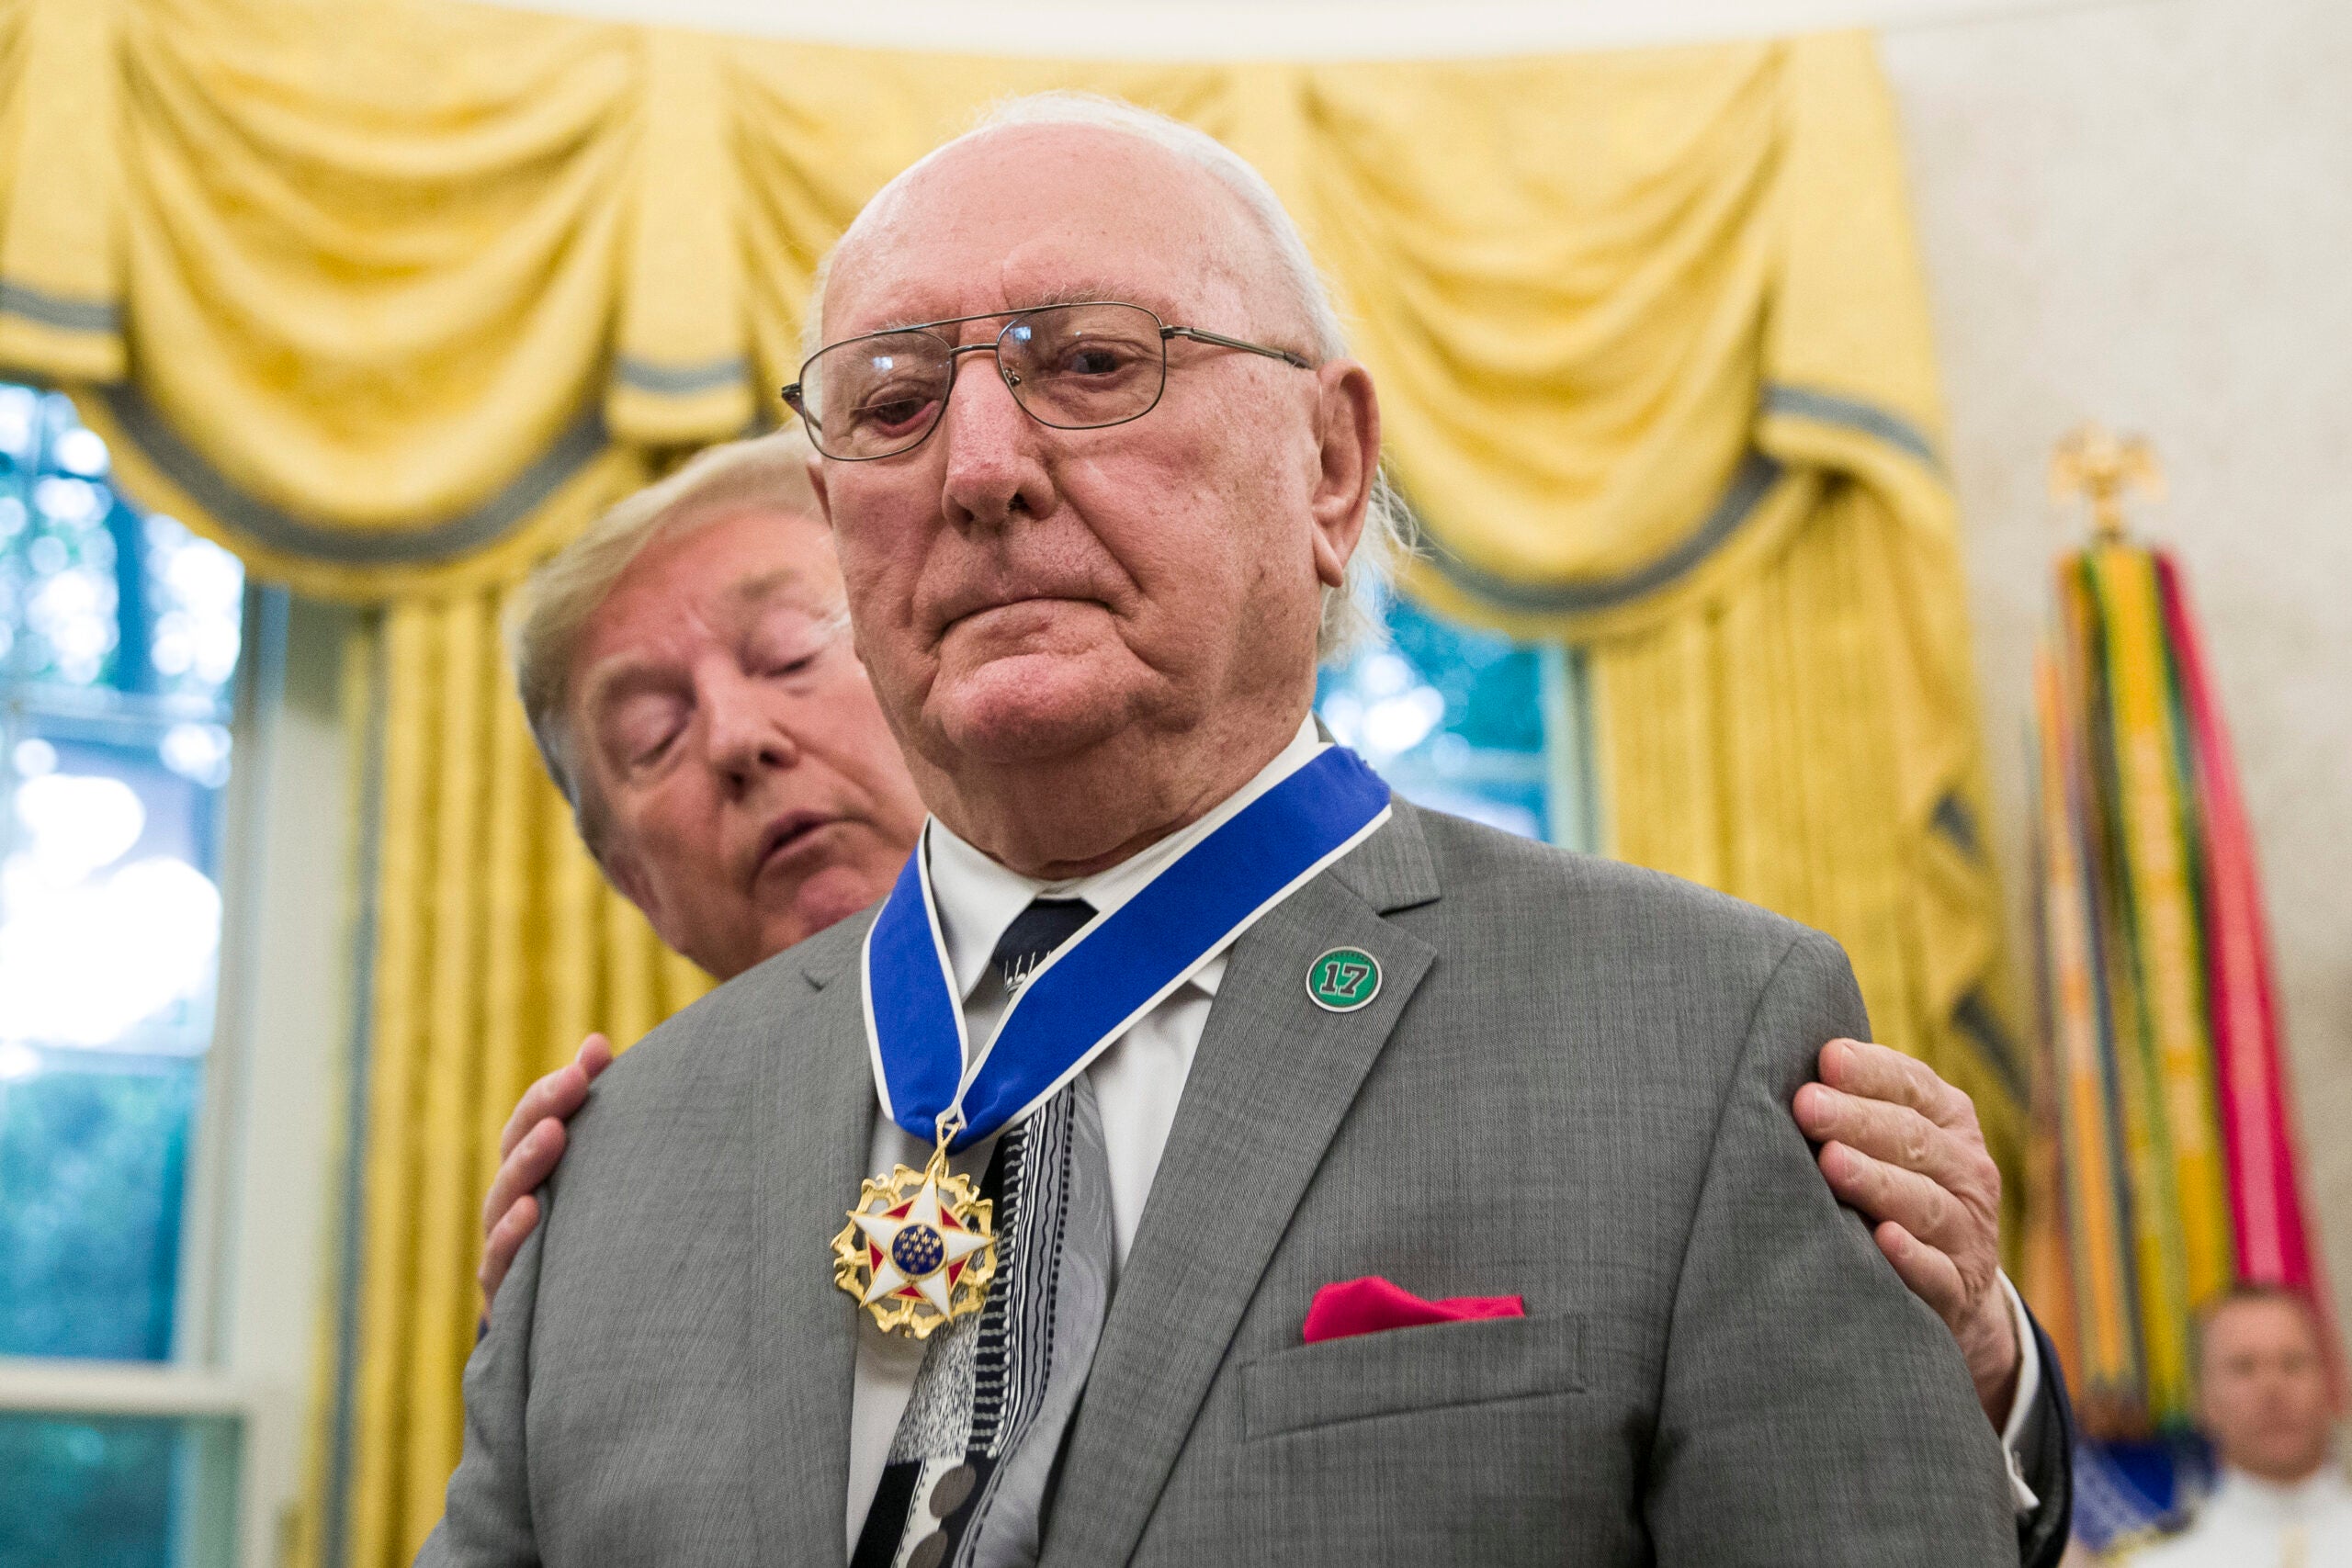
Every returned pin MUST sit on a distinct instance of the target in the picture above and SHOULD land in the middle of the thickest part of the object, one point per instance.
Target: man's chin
(812, 912)
(1025, 710)
(809, 909)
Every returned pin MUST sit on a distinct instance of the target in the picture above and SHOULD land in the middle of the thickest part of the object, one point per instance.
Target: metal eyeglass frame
(956, 352)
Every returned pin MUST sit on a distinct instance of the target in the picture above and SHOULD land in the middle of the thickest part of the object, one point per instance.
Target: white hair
(1353, 612)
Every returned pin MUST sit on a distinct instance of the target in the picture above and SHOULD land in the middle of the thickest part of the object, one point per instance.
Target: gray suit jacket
(1573, 1087)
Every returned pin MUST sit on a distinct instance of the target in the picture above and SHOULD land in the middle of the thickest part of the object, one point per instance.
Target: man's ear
(1348, 464)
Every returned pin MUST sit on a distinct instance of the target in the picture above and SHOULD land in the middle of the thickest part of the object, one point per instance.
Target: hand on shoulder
(1905, 1148)
(529, 1148)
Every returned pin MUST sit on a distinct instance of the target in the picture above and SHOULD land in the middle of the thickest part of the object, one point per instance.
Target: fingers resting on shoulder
(559, 1094)
(1902, 1144)
(529, 1148)
(1904, 1147)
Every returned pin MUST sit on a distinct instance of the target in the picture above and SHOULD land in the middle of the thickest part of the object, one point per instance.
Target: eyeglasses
(1079, 367)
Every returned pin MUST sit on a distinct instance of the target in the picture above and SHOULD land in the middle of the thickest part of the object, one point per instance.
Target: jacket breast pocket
(1399, 1370)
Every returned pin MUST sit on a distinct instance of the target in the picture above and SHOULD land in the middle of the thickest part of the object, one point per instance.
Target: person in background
(2265, 1404)
(689, 679)
(709, 601)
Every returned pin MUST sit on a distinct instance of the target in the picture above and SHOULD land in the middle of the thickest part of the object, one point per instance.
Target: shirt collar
(977, 898)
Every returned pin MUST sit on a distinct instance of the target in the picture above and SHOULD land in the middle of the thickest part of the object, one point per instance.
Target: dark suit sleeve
(486, 1518)
(1813, 1410)
(2046, 1454)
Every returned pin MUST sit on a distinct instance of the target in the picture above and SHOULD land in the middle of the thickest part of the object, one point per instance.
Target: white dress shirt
(2248, 1523)
(2021, 1401)
(1137, 1082)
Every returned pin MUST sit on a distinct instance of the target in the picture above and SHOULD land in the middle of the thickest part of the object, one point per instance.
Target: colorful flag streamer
(2168, 1169)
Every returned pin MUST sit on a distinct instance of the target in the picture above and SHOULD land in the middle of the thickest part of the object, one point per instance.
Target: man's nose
(995, 471)
(746, 734)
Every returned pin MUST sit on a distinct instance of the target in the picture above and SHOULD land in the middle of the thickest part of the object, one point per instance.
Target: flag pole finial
(2102, 468)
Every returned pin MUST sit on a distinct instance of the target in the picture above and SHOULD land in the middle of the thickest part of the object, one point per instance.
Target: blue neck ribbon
(1111, 973)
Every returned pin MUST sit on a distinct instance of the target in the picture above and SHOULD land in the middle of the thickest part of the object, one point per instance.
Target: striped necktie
(973, 1454)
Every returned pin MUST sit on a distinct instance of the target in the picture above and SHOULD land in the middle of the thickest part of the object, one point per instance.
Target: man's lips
(783, 836)
(956, 614)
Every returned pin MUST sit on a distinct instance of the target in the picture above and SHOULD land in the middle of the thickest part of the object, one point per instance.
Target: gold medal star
(919, 1250)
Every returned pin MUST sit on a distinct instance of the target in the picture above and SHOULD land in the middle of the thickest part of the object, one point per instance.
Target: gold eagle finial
(2103, 469)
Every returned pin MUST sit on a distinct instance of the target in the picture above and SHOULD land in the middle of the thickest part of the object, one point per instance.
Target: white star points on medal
(955, 1245)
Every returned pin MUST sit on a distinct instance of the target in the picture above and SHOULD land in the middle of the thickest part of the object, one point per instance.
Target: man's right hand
(527, 1152)
(1905, 1148)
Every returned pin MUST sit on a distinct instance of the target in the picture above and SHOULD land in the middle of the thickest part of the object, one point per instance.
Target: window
(120, 637)
(1469, 722)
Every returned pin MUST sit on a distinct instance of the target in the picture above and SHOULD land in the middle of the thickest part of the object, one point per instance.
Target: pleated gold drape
(1659, 381)
(497, 946)
(389, 296)
(1731, 755)
(338, 282)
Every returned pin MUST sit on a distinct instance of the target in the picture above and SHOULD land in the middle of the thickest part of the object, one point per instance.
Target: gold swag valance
(387, 295)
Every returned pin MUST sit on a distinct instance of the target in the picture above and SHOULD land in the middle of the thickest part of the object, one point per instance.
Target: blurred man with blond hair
(686, 671)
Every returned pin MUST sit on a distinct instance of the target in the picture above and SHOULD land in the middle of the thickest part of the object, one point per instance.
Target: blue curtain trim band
(1976, 1020)
(681, 380)
(57, 310)
(1755, 476)
(1955, 821)
(266, 524)
(1827, 408)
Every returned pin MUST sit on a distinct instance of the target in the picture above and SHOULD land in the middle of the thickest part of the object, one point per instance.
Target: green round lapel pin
(1343, 979)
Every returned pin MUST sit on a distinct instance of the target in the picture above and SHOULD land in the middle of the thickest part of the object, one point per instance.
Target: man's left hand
(1903, 1147)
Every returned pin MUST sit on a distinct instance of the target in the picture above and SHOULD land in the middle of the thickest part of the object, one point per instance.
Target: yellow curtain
(496, 948)
(1807, 742)
(378, 294)
(1661, 385)
(389, 296)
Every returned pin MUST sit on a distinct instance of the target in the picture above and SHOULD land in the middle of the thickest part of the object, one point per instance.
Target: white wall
(2143, 213)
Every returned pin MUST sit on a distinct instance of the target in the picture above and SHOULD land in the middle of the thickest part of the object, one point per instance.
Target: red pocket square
(1372, 1304)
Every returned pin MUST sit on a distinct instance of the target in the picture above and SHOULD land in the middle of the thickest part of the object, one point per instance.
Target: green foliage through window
(120, 638)
(94, 1492)
(1456, 718)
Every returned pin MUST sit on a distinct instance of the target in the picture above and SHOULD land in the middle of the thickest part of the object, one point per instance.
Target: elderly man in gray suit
(1237, 1164)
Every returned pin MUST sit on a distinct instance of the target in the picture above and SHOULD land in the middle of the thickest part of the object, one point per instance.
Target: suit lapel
(1269, 1085)
(817, 1127)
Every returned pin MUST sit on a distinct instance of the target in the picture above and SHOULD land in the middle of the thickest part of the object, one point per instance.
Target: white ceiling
(1282, 29)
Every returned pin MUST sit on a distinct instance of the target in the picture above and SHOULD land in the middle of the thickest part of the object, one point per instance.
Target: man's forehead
(757, 587)
(741, 550)
(1024, 289)
(2262, 1317)
(713, 578)
(1037, 215)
